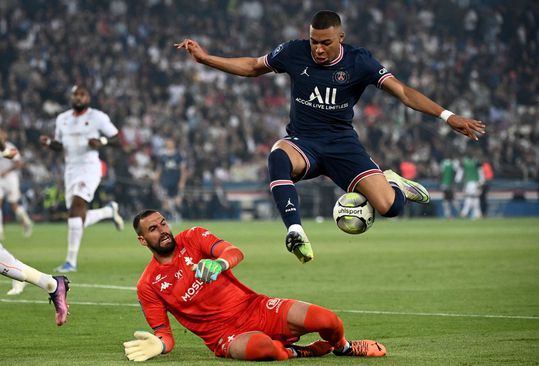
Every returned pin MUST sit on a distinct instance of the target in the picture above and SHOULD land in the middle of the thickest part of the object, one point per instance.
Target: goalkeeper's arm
(227, 256)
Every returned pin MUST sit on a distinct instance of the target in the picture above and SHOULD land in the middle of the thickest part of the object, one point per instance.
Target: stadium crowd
(477, 58)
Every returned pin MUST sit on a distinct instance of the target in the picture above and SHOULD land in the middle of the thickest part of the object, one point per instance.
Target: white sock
(93, 216)
(74, 236)
(17, 270)
(296, 227)
(21, 214)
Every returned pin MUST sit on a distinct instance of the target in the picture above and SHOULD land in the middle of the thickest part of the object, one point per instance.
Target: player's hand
(45, 140)
(193, 48)
(94, 143)
(208, 269)
(468, 127)
(144, 347)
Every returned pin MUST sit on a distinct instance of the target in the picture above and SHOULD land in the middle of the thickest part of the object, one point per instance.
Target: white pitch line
(440, 314)
(398, 313)
(70, 303)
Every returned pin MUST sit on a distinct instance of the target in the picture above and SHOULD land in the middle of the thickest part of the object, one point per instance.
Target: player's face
(326, 44)
(80, 99)
(156, 234)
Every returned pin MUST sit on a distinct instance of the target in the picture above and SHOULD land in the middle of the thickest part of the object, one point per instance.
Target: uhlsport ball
(353, 214)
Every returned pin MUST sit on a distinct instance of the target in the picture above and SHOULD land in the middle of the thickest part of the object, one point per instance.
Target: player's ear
(142, 241)
(341, 37)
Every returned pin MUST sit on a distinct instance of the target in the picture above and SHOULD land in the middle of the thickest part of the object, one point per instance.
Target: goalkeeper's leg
(258, 346)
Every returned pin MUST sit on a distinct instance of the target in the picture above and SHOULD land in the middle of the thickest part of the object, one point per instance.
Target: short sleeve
(106, 127)
(375, 73)
(276, 59)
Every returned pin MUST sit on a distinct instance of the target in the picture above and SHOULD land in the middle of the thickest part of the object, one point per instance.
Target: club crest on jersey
(341, 76)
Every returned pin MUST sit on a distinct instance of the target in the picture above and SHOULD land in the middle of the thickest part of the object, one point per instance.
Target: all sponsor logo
(192, 291)
(382, 71)
(274, 304)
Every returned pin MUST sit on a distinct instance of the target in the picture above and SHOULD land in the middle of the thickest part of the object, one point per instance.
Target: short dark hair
(141, 215)
(76, 87)
(325, 19)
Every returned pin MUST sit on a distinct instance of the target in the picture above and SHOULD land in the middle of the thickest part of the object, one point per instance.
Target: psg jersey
(323, 96)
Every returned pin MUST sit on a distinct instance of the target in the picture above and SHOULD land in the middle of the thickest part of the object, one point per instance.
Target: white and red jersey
(75, 130)
(207, 310)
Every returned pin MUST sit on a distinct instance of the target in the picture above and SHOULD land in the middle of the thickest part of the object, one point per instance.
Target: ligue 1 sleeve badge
(341, 76)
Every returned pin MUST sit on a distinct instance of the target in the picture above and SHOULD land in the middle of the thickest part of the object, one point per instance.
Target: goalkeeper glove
(208, 269)
(144, 347)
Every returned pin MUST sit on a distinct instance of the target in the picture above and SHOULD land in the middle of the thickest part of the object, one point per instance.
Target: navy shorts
(344, 160)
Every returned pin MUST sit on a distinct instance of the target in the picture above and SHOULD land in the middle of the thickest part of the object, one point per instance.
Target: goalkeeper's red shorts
(264, 314)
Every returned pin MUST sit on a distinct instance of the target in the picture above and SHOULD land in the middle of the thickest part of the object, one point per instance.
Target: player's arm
(52, 144)
(224, 256)
(96, 143)
(418, 101)
(242, 66)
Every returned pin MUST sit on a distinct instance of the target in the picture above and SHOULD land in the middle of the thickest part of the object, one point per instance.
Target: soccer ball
(353, 214)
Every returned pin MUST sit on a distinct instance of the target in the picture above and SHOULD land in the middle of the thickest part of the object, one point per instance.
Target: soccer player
(190, 276)
(450, 171)
(172, 177)
(10, 165)
(56, 286)
(80, 132)
(472, 177)
(327, 79)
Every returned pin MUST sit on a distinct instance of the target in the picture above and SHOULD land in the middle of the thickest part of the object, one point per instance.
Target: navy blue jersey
(170, 168)
(323, 96)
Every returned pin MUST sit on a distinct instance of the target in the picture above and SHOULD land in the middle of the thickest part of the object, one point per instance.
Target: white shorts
(9, 187)
(82, 181)
(471, 189)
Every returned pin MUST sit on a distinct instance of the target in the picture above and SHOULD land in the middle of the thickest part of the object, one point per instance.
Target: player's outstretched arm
(50, 143)
(242, 66)
(144, 347)
(418, 101)
(227, 256)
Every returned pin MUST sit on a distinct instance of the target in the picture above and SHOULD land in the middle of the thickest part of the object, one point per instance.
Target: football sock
(261, 347)
(93, 216)
(15, 269)
(282, 188)
(21, 214)
(74, 237)
(326, 323)
(398, 205)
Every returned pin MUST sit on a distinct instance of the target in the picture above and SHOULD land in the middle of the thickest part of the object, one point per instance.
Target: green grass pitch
(434, 292)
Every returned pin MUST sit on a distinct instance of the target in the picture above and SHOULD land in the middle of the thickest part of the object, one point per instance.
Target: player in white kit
(80, 132)
(10, 165)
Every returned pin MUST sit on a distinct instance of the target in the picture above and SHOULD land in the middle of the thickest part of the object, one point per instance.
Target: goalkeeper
(189, 276)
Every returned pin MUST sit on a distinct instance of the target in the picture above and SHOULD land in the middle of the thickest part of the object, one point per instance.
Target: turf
(434, 292)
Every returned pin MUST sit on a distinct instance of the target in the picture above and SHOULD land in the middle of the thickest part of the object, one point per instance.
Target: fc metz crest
(340, 76)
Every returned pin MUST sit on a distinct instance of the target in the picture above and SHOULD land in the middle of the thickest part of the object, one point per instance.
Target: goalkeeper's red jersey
(207, 310)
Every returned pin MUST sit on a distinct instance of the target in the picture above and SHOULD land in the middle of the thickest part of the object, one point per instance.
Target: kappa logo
(206, 233)
(304, 72)
(165, 285)
(188, 261)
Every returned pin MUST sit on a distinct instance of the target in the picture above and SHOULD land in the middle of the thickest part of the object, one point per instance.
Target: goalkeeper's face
(156, 235)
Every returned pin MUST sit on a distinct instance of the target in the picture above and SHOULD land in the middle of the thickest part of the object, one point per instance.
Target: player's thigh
(296, 317)
(10, 189)
(238, 346)
(378, 192)
(81, 183)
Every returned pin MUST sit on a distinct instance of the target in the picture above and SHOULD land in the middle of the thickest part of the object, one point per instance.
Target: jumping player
(327, 79)
(190, 277)
(80, 132)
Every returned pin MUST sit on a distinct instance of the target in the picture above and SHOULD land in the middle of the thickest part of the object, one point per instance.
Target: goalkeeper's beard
(167, 249)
